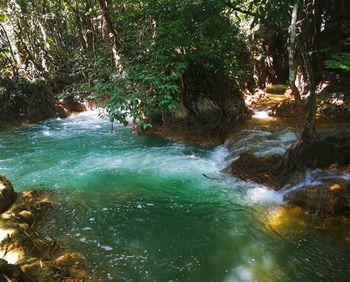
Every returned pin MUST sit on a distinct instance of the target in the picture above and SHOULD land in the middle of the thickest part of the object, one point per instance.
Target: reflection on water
(140, 209)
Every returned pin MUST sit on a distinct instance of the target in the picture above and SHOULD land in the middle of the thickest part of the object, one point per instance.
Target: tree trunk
(308, 127)
(307, 133)
(291, 56)
(113, 34)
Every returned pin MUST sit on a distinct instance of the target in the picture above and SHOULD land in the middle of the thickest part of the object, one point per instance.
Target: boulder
(285, 109)
(7, 194)
(210, 103)
(72, 105)
(330, 147)
(261, 170)
(325, 200)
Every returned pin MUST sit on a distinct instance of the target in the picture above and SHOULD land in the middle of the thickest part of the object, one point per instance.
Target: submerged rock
(7, 194)
(26, 216)
(28, 244)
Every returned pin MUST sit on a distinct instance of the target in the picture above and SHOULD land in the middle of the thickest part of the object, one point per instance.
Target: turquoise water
(140, 209)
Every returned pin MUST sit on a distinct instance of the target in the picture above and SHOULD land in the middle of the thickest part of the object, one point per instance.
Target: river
(140, 209)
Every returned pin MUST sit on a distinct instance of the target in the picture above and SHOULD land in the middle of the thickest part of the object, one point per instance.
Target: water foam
(315, 178)
(261, 194)
(261, 143)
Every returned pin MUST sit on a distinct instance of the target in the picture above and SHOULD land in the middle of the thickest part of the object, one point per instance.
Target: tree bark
(292, 46)
(308, 128)
(307, 134)
(113, 34)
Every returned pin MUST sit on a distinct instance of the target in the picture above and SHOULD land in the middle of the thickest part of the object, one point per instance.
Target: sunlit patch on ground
(5, 233)
(12, 256)
(261, 115)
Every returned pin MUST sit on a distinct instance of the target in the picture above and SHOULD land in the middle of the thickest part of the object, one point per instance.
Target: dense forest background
(184, 63)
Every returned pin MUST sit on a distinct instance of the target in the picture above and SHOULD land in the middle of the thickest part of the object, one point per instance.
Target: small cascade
(317, 177)
(320, 192)
(261, 143)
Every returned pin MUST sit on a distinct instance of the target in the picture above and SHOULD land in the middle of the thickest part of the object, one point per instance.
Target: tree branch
(237, 9)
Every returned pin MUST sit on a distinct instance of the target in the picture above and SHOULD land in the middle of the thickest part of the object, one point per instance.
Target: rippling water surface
(140, 209)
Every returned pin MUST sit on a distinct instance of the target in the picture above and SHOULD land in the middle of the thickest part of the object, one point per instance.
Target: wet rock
(11, 272)
(330, 147)
(41, 271)
(276, 89)
(211, 104)
(24, 226)
(73, 105)
(256, 169)
(7, 194)
(329, 200)
(61, 109)
(26, 216)
(285, 109)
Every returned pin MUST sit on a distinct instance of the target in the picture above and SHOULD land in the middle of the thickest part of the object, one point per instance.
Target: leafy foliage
(339, 61)
(169, 36)
(157, 42)
(143, 93)
(161, 47)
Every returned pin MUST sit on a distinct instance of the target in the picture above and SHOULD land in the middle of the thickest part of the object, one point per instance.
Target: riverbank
(55, 108)
(31, 254)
